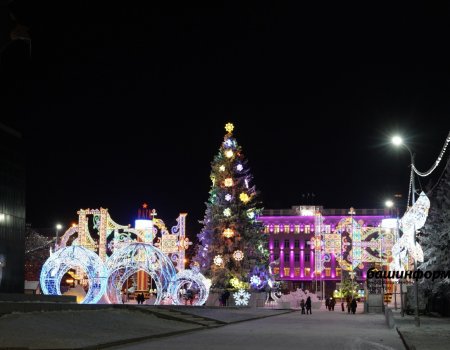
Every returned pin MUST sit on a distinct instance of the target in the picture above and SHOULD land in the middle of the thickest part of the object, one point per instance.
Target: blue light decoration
(259, 277)
(74, 257)
(135, 257)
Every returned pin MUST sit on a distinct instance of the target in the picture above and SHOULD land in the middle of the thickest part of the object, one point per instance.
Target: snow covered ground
(69, 329)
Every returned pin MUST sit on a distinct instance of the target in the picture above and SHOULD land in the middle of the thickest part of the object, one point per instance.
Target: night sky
(125, 105)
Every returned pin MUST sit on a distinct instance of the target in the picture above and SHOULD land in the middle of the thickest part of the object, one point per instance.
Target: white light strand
(436, 163)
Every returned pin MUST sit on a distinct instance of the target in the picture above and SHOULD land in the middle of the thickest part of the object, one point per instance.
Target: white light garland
(436, 163)
(227, 212)
(241, 297)
(228, 197)
(218, 260)
(194, 280)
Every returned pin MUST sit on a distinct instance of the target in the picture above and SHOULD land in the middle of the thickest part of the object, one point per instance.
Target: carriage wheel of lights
(60, 262)
(135, 257)
(190, 279)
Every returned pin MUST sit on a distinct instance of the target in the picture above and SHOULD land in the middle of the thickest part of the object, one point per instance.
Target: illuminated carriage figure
(148, 250)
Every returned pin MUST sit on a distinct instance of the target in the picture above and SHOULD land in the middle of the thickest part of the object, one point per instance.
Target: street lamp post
(396, 140)
(58, 227)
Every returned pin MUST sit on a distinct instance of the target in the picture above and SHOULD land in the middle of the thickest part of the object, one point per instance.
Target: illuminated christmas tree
(232, 242)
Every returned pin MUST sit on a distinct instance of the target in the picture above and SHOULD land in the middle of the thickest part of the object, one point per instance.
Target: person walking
(302, 305)
(354, 305)
(308, 305)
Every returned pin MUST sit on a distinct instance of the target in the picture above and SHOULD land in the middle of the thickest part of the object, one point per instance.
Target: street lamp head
(397, 140)
(389, 203)
(58, 226)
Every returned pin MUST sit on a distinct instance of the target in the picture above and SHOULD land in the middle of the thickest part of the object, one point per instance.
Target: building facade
(315, 248)
(12, 211)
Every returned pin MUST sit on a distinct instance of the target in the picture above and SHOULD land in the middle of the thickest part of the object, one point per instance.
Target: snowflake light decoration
(239, 167)
(227, 212)
(255, 280)
(251, 215)
(241, 297)
(244, 197)
(228, 232)
(228, 197)
(238, 255)
(229, 127)
(222, 168)
(229, 153)
(228, 182)
(218, 260)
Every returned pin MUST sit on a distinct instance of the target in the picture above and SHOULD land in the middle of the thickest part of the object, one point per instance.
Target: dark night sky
(127, 104)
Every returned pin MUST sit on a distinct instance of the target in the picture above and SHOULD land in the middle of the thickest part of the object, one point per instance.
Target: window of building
(307, 229)
(286, 257)
(296, 243)
(276, 270)
(276, 257)
(327, 272)
(338, 271)
(307, 271)
(276, 229)
(306, 257)
(296, 257)
(287, 271)
(266, 229)
(297, 229)
(297, 271)
(286, 228)
(276, 243)
(286, 243)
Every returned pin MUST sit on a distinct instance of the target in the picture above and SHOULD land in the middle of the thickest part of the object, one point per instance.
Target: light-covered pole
(58, 227)
(397, 140)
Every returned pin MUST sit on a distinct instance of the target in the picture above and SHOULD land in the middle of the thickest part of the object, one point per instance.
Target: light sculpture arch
(71, 258)
(190, 279)
(135, 257)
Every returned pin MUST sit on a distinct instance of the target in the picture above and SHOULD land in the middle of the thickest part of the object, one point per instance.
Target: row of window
(294, 228)
(276, 243)
(287, 271)
(296, 257)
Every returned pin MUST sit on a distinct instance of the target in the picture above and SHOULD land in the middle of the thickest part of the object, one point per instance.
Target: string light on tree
(239, 167)
(222, 168)
(229, 153)
(255, 280)
(228, 197)
(227, 212)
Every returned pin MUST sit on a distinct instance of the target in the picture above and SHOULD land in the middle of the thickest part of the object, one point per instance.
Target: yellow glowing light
(228, 233)
(222, 168)
(229, 127)
(229, 153)
(235, 282)
(244, 197)
(228, 182)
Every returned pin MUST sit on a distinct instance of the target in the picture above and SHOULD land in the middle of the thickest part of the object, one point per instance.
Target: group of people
(351, 305)
(329, 303)
(306, 305)
(140, 298)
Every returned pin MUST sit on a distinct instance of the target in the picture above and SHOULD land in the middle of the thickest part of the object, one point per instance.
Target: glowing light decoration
(228, 233)
(235, 282)
(194, 280)
(169, 243)
(255, 280)
(413, 219)
(227, 212)
(238, 255)
(135, 257)
(228, 182)
(218, 260)
(229, 153)
(229, 127)
(241, 297)
(251, 214)
(228, 143)
(74, 257)
(239, 167)
(222, 168)
(228, 197)
(244, 197)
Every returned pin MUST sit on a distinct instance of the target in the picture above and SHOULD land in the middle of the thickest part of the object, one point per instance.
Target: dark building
(12, 210)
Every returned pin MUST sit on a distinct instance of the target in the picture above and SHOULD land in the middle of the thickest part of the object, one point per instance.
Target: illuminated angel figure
(413, 219)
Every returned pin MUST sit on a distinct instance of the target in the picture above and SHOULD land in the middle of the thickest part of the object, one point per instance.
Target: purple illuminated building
(292, 239)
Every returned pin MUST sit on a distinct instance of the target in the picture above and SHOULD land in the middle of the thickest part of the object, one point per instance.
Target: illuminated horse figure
(413, 219)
